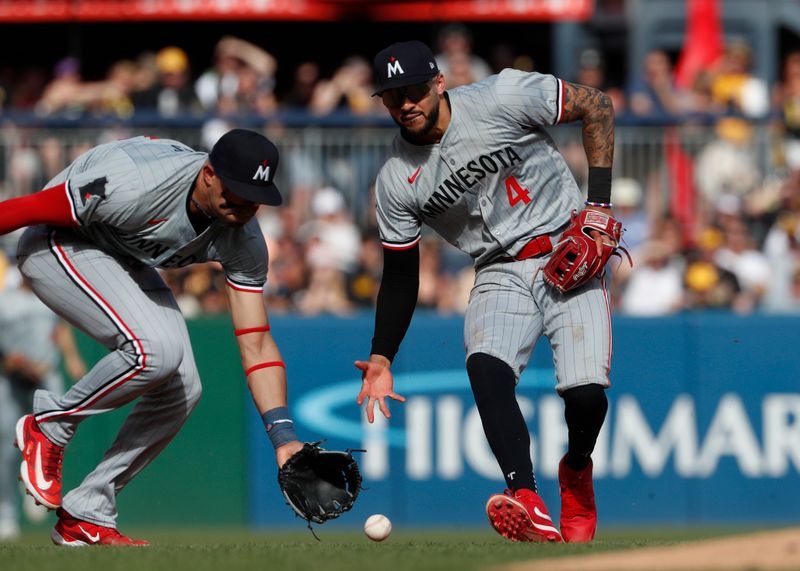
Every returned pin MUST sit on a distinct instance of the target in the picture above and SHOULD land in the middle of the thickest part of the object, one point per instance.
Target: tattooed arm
(595, 110)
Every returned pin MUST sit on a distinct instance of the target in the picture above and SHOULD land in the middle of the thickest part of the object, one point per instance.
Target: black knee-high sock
(493, 385)
(585, 410)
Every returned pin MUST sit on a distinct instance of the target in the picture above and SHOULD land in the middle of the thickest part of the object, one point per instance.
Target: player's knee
(489, 376)
(586, 404)
(193, 389)
(164, 355)
(585, 397)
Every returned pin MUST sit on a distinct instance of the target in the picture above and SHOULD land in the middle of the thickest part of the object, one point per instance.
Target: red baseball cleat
(521, 516)
(578, 510)
(73, 532)
(40, 470)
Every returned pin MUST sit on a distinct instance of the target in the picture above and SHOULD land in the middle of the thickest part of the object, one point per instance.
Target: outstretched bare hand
(377, 384)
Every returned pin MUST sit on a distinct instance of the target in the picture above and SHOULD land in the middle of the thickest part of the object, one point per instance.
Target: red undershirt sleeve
(50, 206)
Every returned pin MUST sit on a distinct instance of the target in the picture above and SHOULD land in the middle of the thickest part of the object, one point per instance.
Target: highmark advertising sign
(696, 431)
(442, 436)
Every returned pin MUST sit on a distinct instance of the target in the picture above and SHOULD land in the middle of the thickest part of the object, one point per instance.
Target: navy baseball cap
(403, 63)
(246, 161)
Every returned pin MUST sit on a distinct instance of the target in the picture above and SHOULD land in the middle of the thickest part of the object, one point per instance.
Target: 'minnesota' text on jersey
(495, 179)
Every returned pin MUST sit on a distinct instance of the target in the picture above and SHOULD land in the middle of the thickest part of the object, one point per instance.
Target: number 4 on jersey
(516, 193)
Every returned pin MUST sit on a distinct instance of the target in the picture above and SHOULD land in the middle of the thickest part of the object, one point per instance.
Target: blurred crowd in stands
(712, 221)
(241, 80)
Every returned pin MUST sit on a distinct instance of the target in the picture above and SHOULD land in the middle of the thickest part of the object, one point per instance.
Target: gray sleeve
(244, 257)
(108, 193)
(530, 98)
(398, 222)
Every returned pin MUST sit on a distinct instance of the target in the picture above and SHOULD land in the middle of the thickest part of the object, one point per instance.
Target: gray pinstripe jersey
(129, 197)
(495, 179)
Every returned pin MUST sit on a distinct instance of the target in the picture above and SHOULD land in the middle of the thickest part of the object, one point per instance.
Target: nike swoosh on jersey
(94, 538)
(41, 481)
(158, 220)
(413, 177)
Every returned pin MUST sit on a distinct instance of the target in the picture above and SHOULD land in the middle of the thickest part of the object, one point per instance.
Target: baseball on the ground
(377, 527)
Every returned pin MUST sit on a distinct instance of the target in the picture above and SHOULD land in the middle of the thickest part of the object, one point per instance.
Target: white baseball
(377, 527)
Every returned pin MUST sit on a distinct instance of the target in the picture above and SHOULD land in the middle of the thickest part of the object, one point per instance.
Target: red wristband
(238, 332)
(264, 366)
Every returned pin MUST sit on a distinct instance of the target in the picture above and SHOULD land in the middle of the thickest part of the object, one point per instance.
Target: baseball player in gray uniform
(96, 235)
(476, 165)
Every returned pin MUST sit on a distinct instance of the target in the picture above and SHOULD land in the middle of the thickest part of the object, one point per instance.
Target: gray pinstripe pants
(511, 307)
(134, 314)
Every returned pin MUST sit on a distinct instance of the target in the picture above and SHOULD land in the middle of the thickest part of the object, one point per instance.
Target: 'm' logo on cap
(263, 171)
(393, 67)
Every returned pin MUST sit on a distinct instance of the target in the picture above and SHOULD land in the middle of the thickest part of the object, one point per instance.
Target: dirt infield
(771, 550)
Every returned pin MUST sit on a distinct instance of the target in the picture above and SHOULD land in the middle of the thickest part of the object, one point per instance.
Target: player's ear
(208, 174)
(438, 83)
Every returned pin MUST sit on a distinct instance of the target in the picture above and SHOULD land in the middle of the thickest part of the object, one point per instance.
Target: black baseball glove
(320, 484)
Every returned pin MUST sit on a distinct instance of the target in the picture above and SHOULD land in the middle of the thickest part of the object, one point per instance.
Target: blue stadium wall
(703, 427)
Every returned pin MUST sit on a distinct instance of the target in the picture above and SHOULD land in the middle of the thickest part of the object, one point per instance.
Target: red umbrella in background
(702, 48)
(704, 42)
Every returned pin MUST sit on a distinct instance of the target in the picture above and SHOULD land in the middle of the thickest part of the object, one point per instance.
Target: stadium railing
(347, 152)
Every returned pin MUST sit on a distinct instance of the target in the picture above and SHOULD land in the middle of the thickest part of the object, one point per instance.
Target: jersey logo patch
(95, 188)
(413, 177)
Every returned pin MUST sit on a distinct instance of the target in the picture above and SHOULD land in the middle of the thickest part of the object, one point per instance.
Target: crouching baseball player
(476, 165)
(95, 236)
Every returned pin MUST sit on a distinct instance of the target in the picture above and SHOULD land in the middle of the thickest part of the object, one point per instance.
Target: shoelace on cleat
(54, 458)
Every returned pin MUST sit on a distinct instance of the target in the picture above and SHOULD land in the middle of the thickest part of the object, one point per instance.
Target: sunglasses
(415, 93)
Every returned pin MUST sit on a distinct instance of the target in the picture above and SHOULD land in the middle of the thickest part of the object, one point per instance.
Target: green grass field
(228, 550)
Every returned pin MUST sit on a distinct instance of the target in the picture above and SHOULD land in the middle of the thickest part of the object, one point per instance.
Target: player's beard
(423, 131)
